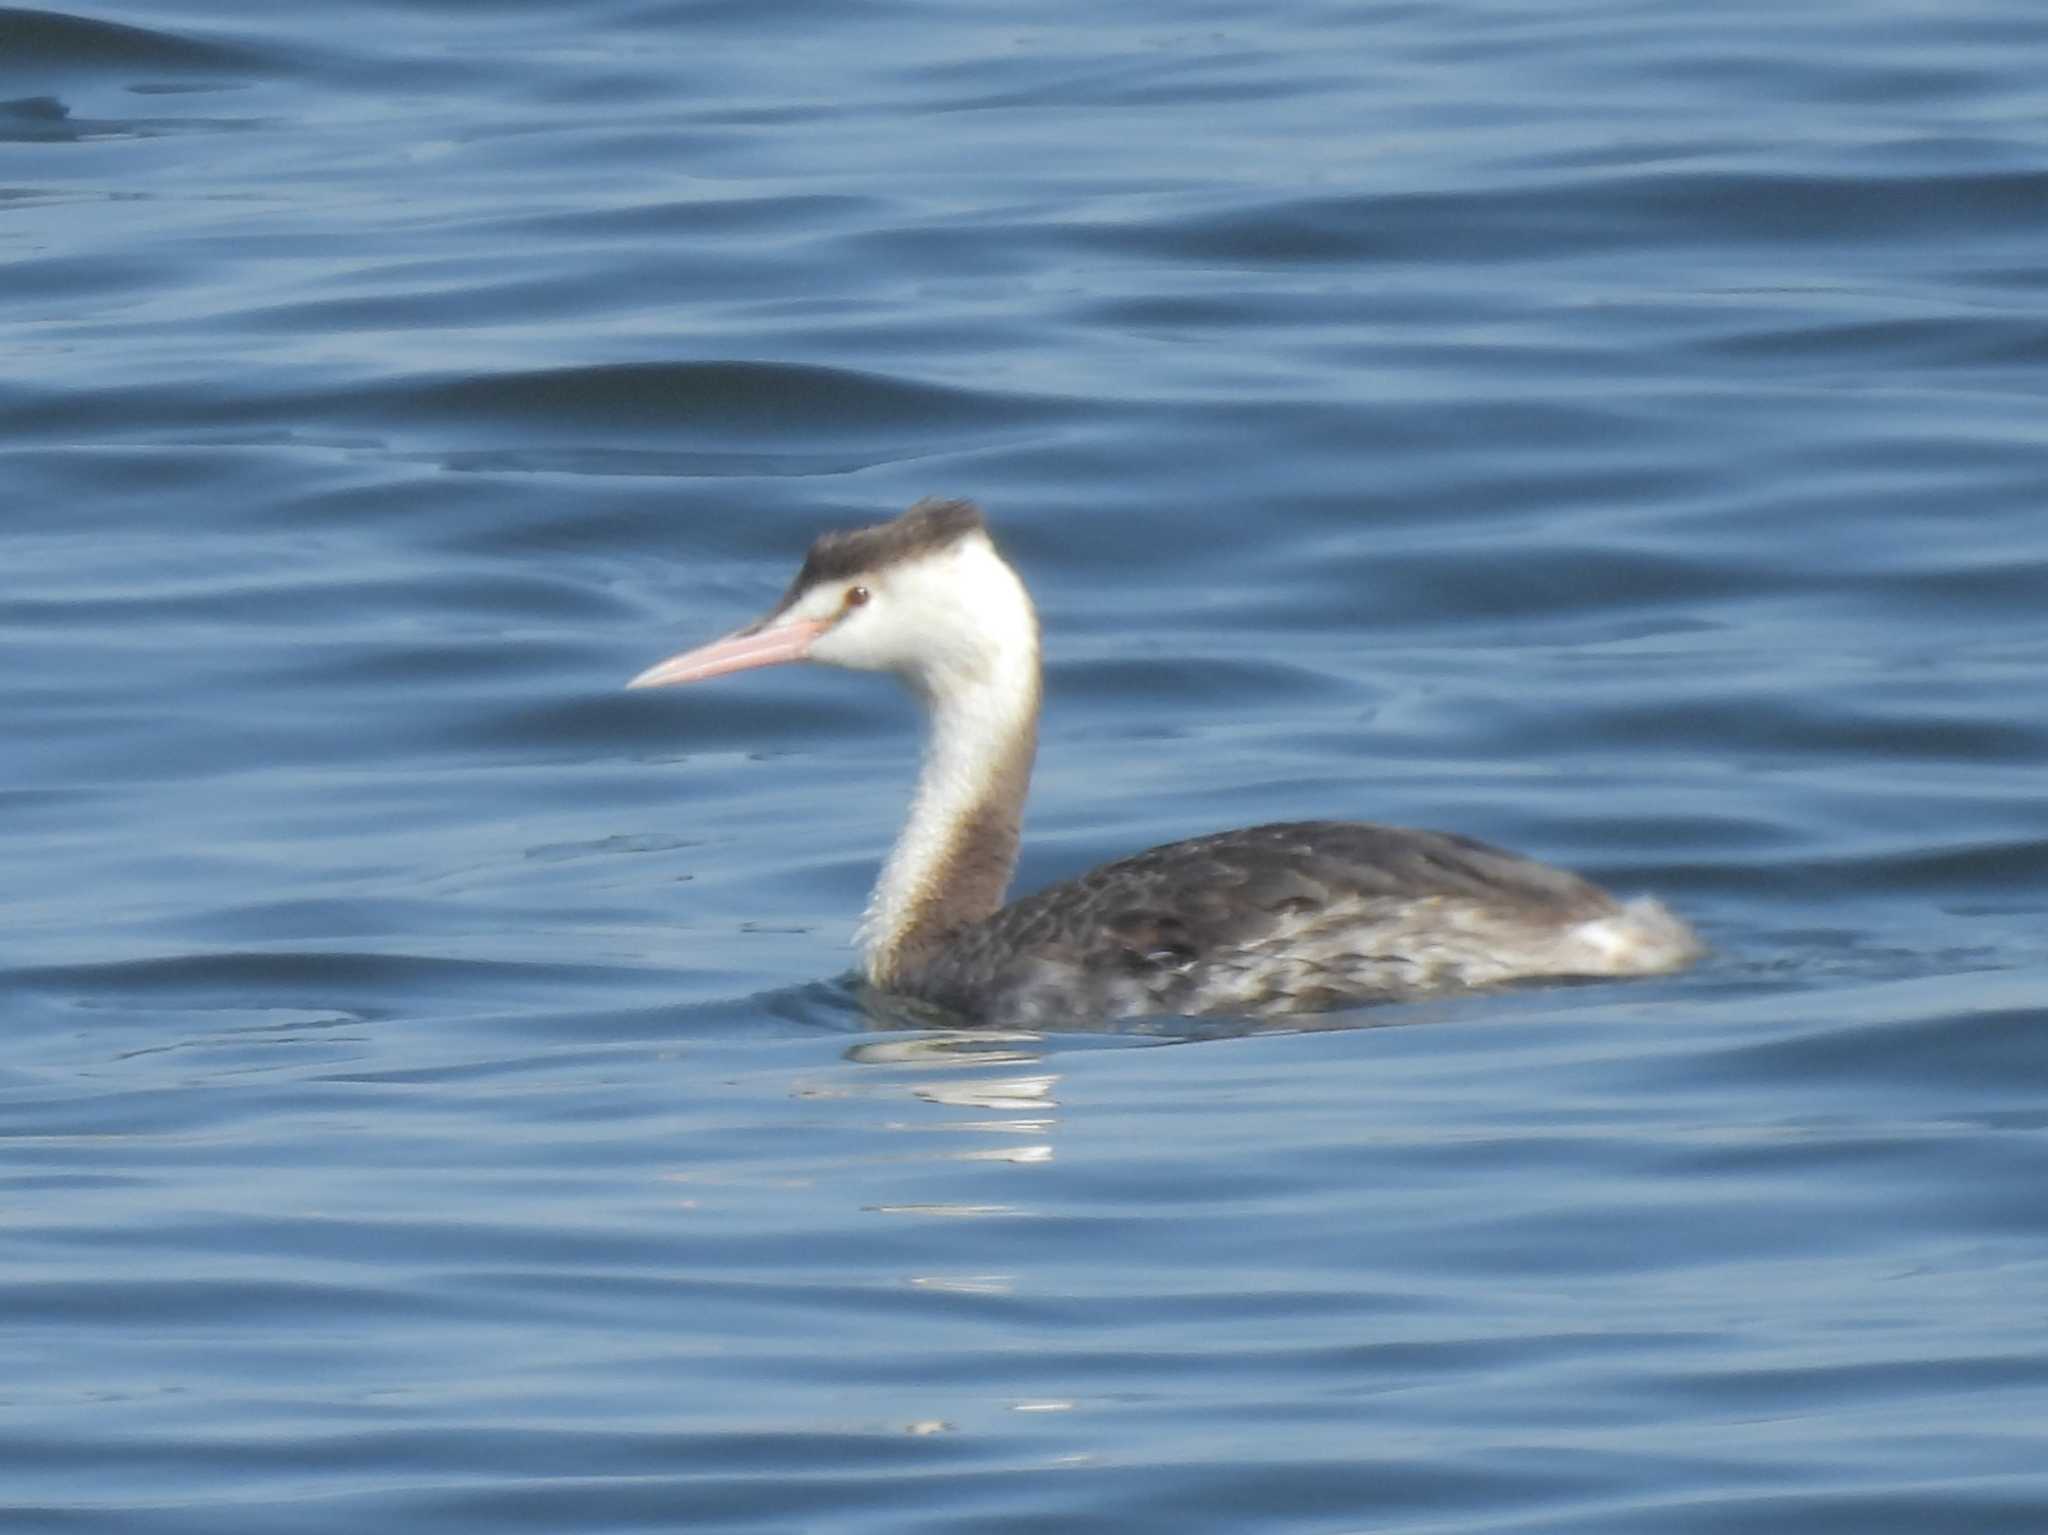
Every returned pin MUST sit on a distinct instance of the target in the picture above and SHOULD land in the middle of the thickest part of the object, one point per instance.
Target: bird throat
(953, 861)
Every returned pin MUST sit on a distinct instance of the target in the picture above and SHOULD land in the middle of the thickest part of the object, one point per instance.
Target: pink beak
(739, 652)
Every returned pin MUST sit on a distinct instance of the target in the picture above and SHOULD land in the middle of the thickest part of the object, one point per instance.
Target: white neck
(953, 860)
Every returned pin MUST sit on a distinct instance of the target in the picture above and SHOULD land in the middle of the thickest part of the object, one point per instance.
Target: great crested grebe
(1295, 917)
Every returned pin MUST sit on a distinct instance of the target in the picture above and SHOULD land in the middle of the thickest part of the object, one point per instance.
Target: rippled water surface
(429, 1098)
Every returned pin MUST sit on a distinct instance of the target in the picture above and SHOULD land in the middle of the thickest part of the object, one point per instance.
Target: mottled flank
(1642, 938)
(1289, 918)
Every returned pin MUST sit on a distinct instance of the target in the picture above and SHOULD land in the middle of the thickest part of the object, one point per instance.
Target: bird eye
(857, 596)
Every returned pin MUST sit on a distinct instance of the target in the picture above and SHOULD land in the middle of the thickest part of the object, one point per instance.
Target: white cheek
(861, 639)
(842, 646)
(817, 606)
(938, 620)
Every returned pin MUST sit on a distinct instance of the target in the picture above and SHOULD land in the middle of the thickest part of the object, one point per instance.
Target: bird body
(1264, 921)
(1294, 917)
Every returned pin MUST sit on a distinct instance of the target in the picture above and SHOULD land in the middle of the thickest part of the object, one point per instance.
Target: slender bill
(749, 648)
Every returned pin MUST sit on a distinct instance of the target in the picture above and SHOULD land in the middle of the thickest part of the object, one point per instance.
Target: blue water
(428, 1095)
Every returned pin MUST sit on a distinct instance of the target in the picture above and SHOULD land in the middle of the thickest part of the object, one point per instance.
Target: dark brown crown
(929, 526)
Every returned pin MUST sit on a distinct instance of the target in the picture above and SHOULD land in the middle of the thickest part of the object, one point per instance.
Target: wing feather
(1278, 918)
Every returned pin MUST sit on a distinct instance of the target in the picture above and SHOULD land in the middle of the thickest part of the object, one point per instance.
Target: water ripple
(432, 1091)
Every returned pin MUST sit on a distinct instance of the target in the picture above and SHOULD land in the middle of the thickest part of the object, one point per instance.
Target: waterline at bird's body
(1268, 920)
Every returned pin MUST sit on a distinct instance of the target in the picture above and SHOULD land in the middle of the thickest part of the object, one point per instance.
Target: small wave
(51, 39)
